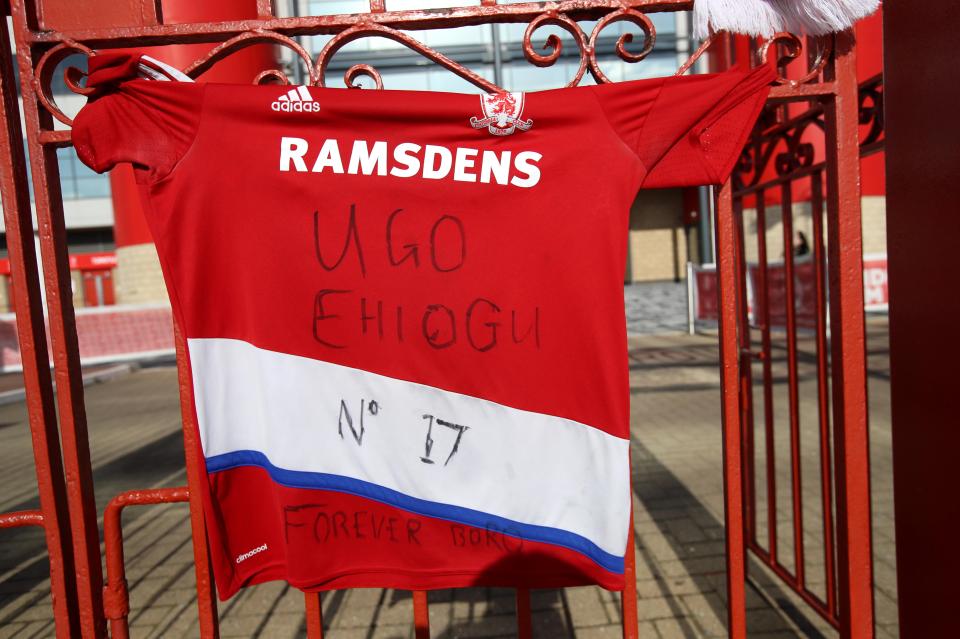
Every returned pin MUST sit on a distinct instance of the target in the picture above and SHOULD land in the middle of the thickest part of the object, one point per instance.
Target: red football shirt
(404, 312)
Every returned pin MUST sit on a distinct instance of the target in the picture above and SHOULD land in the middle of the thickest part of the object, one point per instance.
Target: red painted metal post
(746, 375)
(628, 598)
(833, 108)
(852, 453)
(730, 389)
(314, 612)
(63, 337)
(823, 399)
(793, 391)
(206, 592)
(524, 615)
(762, 301)
(41, 410)
(21, 518)
(421, 615)
(116, 598)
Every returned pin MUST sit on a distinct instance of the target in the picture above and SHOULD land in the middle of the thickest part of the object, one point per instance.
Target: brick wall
(138, 279)
(657, 244)
(6, 302)
(874, 227)
(657, 247)
(874, 224)
(105, 333)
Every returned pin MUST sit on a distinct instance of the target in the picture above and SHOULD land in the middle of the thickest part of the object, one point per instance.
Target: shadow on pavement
(654, 484)
(143, 467)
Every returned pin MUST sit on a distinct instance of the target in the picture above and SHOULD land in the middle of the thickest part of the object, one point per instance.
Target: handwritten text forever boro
(408, 159)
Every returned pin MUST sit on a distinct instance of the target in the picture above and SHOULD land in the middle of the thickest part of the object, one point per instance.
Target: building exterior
(89, 218)
(873, 182)
(114, 260)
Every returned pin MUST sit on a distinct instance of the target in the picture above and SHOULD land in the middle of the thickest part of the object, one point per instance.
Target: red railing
(782, 155)
(67, 511)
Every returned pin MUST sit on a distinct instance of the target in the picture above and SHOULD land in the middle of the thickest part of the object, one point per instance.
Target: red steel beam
(851, 449)
(823, 398)
(524, 614)
(21, 518)
(628, 598)
(206, 594)
(730, 390)
(314, 612)
(762, 301)
(265, 9)
(746, 374)
(63, 335)
(66, 488)
(31, 334)
(793, 391)
(116, 599)
(421, 615)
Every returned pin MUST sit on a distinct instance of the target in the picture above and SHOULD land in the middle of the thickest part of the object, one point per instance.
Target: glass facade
(474, 47)
(77, 180)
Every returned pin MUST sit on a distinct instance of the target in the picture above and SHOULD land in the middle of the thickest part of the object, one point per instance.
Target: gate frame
(67, 506)
(847, 539)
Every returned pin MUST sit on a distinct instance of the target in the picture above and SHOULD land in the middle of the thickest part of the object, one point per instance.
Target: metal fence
(83, 603)
(817, 151)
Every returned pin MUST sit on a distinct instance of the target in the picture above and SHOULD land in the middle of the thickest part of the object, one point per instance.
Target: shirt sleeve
(148, 123)
(687, 130)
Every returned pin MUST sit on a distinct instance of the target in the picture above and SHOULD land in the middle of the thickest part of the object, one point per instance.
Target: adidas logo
(298, 99)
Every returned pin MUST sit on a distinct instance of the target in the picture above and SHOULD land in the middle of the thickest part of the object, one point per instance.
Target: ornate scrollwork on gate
(789, 48)
(43, 76)
(563, 15)
(247, 39)
(871, 109)
(588, 46)
(368, 29)
(785, 142)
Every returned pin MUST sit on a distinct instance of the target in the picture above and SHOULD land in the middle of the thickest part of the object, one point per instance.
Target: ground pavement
(134, 423)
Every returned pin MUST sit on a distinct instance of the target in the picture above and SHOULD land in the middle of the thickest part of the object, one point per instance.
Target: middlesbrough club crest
(501, 113)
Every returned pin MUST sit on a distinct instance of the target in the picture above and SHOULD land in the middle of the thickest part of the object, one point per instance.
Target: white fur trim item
(766, 17)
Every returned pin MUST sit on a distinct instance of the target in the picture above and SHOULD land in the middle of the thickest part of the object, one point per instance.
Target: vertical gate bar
(762, 301)
(524, 615)
(628, 598)
(746, 374)
(264, 9)
(786, 209)
(206, 596)
(314, 612)
(729, 378)
(823, 400)
(421, 615)
(116, 597)
(847, 336)
(74, 440)
(31, 335)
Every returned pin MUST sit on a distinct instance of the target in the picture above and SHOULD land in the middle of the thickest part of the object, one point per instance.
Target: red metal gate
(82, 603)
(801, 123)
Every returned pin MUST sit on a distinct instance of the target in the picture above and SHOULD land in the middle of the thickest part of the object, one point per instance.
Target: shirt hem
(423, 580)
